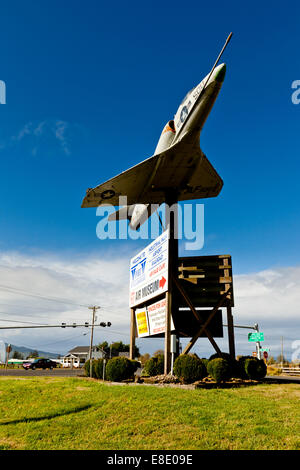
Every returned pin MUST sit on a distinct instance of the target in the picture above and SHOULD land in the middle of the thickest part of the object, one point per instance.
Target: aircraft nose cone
(220, 73)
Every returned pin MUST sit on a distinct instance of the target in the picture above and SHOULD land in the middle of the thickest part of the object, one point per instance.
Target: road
(283, 379)
(61, 372)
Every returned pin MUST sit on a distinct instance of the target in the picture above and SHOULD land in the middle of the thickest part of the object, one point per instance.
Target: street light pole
(258, 348)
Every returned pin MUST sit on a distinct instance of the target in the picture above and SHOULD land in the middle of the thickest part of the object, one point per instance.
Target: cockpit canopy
(187, 95)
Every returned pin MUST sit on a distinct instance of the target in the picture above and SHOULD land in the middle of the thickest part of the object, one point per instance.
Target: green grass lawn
(73, 413)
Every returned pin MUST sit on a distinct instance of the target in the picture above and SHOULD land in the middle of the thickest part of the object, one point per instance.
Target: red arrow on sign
(162, 282)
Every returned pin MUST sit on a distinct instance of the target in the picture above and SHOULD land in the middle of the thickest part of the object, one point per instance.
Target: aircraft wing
(183, 166)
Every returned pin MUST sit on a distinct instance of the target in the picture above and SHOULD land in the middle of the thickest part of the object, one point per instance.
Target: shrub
(99, 369)
(154, 366)
(205, 362)
(119, 368)
(273, 370)
(135, 365)
(233, 364)
(87, 368)
(252, 368)
(255, 369)
(144, 373)
(189, 368)
(219, 369)
(241, 361)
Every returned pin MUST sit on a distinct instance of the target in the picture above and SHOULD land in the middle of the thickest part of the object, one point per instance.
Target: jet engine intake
(166, 138)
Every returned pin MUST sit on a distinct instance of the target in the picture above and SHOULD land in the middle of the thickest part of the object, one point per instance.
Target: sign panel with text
(149, 271)
(141, 319)
(151, 320)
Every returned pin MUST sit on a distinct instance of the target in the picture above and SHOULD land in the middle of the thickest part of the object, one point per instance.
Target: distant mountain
(27, 351)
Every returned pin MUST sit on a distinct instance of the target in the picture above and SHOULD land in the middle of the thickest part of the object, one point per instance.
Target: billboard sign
(151, 320)
(149, 271)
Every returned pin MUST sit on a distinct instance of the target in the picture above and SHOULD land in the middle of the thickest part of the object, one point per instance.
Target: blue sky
(89, 89)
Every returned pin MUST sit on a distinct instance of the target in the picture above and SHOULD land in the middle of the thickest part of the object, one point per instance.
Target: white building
(77, 356)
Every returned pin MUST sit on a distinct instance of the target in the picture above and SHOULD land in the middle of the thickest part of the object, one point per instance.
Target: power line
(64, 340)
(27, 306)
(8, 289)
(20, 314)
(117, 332)
(22, 321)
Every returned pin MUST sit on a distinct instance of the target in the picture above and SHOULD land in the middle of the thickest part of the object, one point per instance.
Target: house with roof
(77, 356)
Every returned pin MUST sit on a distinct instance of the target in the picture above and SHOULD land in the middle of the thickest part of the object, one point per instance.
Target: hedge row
(116, 370)
(190, 368)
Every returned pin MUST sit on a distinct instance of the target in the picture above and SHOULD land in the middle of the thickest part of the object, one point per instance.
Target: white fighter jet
(178, 164)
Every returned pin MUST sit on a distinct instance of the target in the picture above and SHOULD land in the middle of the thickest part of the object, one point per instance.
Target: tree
(159, 352)
(144, 358)
(105, 346)
(115, 348)
(17, 355)
(34, 353)
(136, 351)
(281, 359)
(118, 346)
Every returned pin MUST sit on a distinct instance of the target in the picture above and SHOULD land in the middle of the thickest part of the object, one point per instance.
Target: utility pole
(92, 336)
(281, 352)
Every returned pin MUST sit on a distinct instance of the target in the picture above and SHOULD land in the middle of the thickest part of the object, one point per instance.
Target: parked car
(39, 364)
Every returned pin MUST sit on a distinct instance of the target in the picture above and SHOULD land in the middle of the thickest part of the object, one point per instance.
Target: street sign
(257, 336)
(149, 271)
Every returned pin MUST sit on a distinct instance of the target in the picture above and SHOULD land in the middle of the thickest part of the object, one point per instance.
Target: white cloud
(60, 131)
(45, 136)
(272, 294)
(85, 282)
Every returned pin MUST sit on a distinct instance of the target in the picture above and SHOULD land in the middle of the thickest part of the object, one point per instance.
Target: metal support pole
(174, 351)
(230, 333)
(132, 334)
(258, 350)
(171, 220)
(103, 371)
(167, 356)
